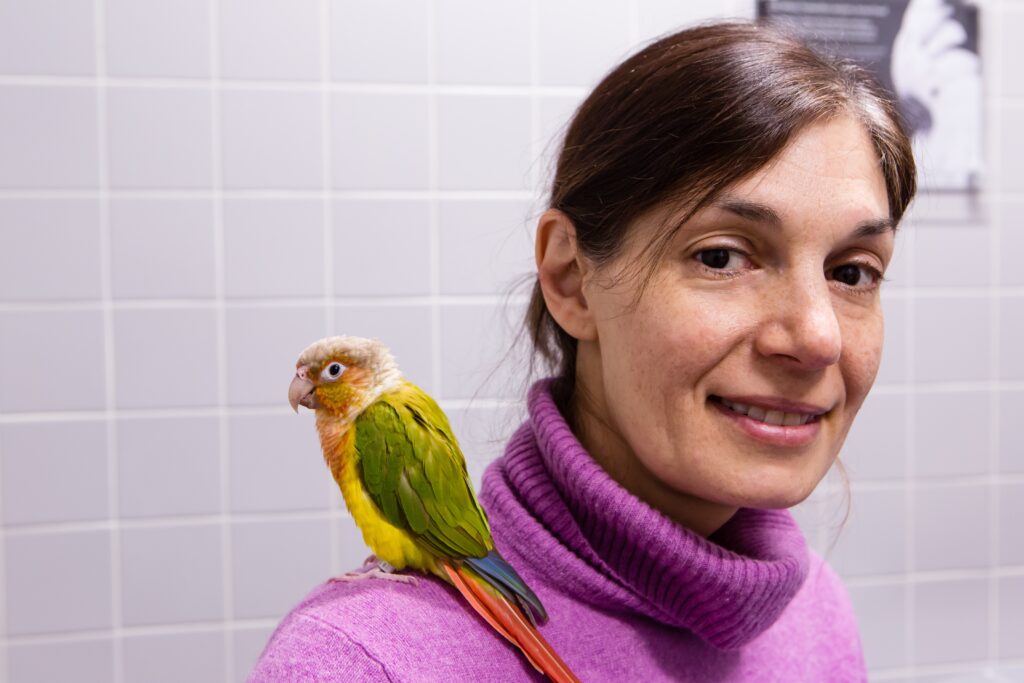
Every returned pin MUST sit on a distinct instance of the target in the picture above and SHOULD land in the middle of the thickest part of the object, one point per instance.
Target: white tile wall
(62, 241)
(144, 38)
(161, 248)
(49, 137)
(192, 192)
(159, 138)
(174, 657)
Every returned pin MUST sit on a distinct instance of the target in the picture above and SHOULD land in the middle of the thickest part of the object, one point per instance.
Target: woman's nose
(800, 323)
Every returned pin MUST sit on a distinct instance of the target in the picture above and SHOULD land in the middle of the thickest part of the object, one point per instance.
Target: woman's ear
(562, 272)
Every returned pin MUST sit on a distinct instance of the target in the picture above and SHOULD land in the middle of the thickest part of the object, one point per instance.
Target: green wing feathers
(414, 471)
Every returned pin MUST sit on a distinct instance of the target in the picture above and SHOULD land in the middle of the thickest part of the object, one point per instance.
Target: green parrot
(404, 480)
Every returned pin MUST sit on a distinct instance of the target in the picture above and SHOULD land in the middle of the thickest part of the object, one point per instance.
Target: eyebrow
(762, 213)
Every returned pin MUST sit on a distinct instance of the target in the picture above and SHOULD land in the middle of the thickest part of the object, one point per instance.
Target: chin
(768, 493)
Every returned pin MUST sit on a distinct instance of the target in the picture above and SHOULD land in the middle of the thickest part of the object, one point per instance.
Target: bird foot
(383, 570)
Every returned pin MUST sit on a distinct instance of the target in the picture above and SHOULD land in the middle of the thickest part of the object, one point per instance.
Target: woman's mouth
(770, 425)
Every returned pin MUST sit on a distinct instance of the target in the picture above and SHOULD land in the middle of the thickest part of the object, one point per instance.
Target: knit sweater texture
(631, 594)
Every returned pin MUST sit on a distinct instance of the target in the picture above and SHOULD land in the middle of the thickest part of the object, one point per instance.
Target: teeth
(793, 419)
(775, 417)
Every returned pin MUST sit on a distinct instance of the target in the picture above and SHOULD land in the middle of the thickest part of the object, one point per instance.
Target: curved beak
(300, 392)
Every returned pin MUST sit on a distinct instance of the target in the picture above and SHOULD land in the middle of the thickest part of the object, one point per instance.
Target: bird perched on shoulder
(404, 481)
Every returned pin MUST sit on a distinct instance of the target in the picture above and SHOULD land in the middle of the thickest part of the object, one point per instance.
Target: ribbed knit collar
(602, 545)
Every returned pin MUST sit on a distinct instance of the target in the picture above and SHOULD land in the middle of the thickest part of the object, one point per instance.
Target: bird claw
(382, 571)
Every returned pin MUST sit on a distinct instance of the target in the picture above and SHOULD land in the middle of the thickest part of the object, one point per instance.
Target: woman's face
(767, 303)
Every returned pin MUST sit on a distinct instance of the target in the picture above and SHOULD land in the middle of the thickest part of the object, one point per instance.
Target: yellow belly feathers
(388, 542)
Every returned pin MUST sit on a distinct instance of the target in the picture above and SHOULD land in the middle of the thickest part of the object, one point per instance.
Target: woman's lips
(776, 435)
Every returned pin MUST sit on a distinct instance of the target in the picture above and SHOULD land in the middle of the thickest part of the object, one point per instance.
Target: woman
(721, 216)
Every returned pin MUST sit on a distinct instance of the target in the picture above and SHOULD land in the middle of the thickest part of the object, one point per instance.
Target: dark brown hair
(682, 119)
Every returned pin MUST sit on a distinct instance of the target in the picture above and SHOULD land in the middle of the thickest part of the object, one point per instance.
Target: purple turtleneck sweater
(631, 595)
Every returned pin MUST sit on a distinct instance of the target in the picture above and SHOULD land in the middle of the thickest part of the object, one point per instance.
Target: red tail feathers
(508, 620)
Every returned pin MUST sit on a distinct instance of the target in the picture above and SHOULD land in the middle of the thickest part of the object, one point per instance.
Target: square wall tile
(380, 141)
(273, 247)
(950, 621)
(1011, 510)
(482, 433)
(951, 339)
(166, 357)
(1011, 342)
(483, 43)
(948, 452)
(262, 347)
(598, 44)
(277, 464)
(249, 644)
(161, 248)
(168, 466)
(377, 42)
(160, 138)
(174, 657)
(65, 348)
(476, 361)
(1012, 150)
(882, 620)
(953, 256)
(1011, 239)
(62, 661)
(483, 142)
(49, 249)
(275, 564)
(1011, 440)
(53, 471)
(145, 38)
(270, 39)
(876, 445)
(952, 511)
(895, 364)
(49, 137)
(366, 262)
(271, 139)
(874, 538)
(406, 330)
(171, 575)
(51, 37)
(1011, 617)
(486, 246)
(43, 596)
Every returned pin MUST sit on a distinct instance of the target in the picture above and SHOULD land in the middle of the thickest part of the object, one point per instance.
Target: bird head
(342, 376)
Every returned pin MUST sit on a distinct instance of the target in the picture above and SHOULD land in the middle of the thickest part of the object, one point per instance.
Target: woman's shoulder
(821, 617)
(379, 630)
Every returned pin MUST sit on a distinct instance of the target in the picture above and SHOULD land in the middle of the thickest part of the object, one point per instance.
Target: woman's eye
(721, 259)
(856, 276)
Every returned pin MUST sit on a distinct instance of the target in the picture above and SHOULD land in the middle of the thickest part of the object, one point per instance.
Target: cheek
(862, 354)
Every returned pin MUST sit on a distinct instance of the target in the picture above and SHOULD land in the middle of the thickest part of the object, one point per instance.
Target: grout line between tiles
(101, 85)
(327, 179)
(224, 519)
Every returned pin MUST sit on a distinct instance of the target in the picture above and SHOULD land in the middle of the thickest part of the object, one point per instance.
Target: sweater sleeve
(305, 648)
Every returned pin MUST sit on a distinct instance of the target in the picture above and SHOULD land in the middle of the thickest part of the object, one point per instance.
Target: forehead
(829, 169)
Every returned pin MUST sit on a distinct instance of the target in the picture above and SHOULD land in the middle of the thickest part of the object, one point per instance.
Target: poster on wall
(923, 51)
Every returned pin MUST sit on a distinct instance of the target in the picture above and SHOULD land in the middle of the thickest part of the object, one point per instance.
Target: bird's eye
(332, 371)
